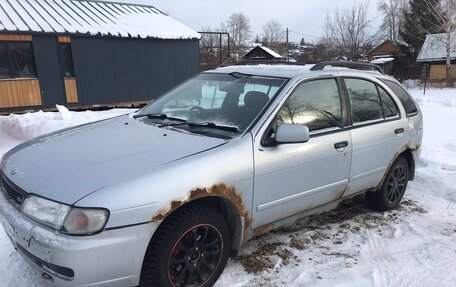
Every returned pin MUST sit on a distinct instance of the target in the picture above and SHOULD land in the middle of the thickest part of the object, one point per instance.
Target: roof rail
(346, 64)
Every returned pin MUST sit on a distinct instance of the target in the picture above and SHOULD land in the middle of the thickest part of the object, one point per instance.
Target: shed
(89, 53)
(434, 53)
(387, 49)
(262, 53)
(394, 58)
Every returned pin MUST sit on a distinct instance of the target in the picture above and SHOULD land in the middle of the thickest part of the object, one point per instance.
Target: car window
(214, 99)
(315, 104)
(388, 105)
(267, 89)
(404, 97)
(364, 101)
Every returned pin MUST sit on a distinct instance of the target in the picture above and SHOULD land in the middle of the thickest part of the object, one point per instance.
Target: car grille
(13, 193)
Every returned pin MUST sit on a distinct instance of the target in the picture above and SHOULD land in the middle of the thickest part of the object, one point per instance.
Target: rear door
(378, 132)
(293, 178)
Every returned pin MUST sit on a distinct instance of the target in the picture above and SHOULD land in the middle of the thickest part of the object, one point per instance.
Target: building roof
(273, 54)
(387, 46)
(433, 49)
(90, 18)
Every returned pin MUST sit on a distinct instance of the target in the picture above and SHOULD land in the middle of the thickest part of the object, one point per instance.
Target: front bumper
(110, 258)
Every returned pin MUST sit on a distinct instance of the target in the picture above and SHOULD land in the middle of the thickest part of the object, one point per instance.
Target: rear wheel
(190, 249)
(390, 194)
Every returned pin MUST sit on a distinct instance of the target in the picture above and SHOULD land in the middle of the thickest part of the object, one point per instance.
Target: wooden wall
(71, 91)
(12, 37)
(19, 93)
(438, 72)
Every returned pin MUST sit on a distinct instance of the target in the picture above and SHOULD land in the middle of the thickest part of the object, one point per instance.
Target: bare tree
(445, 20)
(349, 30)
(392, 14)
(238, 25)
(209, 49)
(273, 33)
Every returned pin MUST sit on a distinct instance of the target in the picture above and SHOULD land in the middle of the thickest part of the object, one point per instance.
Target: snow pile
(15, 129)
(382, 60)
(350, 246)
(412, 84)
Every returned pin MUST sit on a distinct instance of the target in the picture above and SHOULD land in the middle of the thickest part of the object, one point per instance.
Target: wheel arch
(228, 209)
(407, 154)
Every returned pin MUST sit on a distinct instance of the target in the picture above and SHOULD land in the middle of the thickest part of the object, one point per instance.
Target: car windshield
(214, 104)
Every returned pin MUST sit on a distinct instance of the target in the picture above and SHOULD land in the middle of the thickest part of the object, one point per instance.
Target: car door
(378, 133)
(293, 178)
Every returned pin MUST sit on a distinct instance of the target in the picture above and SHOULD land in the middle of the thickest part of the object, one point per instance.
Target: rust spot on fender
(263, 229)
(408, 146)
(221, 190)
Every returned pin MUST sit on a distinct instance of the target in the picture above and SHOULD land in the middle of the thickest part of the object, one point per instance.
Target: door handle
(341, 145)
(399, 131)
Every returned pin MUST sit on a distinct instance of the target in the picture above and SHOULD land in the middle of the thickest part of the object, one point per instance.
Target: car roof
(282, 71)
(292, 71)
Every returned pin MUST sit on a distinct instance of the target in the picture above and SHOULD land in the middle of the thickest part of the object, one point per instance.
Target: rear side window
(315, 104)
(404, 97)
(364, 101)
(388, 105)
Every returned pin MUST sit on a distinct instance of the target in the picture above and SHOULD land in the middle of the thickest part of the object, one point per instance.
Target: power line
(303, 34)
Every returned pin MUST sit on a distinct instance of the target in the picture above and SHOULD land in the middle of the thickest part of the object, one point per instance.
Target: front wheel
(190, 249)
(390, 194)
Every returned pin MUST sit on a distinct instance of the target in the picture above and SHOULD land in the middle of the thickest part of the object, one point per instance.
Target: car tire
(190, 248)
(390, 194)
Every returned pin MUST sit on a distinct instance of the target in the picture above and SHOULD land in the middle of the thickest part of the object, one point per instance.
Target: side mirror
(292, 134)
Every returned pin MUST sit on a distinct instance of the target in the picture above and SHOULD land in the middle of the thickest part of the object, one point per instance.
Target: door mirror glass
(292, 134)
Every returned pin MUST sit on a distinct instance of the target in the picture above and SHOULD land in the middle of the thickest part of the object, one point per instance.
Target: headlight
(64, 218)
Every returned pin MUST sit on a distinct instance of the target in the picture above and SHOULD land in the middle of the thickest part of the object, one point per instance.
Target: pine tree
(418, 21)
(303, 42)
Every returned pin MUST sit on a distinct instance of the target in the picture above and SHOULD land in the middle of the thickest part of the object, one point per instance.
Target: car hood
(68, 165)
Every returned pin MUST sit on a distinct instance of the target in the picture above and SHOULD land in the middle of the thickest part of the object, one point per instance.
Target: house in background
(88, 53)
(434, 53)
(261, 53)
(391, 58)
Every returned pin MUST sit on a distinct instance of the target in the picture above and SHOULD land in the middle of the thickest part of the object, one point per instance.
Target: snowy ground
(351, 246)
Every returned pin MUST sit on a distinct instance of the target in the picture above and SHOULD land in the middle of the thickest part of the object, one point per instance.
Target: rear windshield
(404, 97)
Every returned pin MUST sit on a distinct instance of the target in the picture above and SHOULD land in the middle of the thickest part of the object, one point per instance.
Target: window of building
(364, 101)
(4, 67)
(17, 60)
(67, 60)
(315, 104)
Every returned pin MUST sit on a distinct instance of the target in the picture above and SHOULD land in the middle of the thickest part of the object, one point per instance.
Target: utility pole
(288, 50)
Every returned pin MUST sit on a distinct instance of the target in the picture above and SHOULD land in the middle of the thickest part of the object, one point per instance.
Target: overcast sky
(303, 16)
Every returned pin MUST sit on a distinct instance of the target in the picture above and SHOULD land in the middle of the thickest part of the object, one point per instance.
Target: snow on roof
(271, 52)
(90, 17)
(382, 60)
(434, 48)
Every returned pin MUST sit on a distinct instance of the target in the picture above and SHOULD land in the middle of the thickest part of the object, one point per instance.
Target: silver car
(163, 196)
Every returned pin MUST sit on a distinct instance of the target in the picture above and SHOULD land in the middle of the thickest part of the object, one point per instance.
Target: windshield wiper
(205, 125)
(159, 116)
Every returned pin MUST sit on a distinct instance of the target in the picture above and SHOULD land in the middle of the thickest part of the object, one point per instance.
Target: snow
(271, 52)
(350, 246)
(382, 60)
(15, 129)
(90, 17)
(434, 48)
